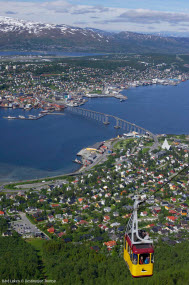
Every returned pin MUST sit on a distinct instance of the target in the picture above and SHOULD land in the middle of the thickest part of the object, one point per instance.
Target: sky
(110, 15)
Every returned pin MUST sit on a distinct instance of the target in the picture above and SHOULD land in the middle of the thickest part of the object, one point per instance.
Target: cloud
(10, 13)
(141, 16)
(109, 17)
(94, 9)
(82, 11)
(80, 23)
(57, 6)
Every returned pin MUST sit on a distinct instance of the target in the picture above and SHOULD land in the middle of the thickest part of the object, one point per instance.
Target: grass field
(36, 243)
(144, 150)
(122, 144)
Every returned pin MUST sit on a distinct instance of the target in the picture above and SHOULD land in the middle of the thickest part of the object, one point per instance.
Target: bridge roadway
(104, 118)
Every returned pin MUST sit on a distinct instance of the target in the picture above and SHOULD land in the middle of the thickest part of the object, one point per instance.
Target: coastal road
(1, 187)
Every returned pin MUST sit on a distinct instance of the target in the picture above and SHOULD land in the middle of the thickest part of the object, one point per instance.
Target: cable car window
(152, 258)
(135, 258)
(129, 250)
(144, 258)
(131, 255)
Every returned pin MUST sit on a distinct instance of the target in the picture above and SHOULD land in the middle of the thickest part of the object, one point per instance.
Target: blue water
(160, 109)
(46, 147)
(50, 53)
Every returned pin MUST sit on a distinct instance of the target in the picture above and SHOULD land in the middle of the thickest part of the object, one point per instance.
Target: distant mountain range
(24, 35)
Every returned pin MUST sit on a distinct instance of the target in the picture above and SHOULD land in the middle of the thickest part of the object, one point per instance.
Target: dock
(25, 118)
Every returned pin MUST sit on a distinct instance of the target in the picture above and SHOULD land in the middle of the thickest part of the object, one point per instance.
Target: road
(154, 146)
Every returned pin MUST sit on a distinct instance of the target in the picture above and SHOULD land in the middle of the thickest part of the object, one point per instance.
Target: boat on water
(77, 161)
(9, 118)
(21, 117)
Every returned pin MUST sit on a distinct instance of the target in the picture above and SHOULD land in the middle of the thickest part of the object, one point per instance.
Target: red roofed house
(61, 234)
(172, 212)
(85, 207)
(173, 199)
(157, 210)
(65, 221)
(110, 244)
(2, 213)
(51, 230)
(82, 222)
(95, 197)
(171, 218)
(55, 205)
(144, 214)
(106, 218)
(103, 227)
(80, 200)
(41, 200)
(150, 225)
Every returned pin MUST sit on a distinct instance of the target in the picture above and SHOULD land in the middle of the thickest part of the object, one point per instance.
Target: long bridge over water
(105, 119)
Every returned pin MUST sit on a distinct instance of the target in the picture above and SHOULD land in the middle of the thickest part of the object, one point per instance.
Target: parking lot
(25, 228)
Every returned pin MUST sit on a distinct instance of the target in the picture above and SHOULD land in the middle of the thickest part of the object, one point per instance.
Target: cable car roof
(140, 248)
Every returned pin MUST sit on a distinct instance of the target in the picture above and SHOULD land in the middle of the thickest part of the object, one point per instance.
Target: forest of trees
(69, 263)
(18, 259)
(78, 264)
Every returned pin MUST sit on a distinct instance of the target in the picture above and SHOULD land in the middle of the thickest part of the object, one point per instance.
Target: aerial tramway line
(138, 247)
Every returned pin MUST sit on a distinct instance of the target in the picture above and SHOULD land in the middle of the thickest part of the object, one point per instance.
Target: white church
(165, 145)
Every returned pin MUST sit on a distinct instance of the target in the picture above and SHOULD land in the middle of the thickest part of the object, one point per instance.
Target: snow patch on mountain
(17, 26)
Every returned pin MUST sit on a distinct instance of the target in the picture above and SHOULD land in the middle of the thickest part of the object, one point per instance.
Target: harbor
(91, 155)
(50, 146)
(116, 95)
(42, 114)
(30, 117)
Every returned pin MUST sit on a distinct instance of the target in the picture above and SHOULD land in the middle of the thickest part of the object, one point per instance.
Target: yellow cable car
(138, 247)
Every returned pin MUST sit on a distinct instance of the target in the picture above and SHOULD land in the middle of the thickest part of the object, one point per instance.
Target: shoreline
(81, 171)
(118, 94)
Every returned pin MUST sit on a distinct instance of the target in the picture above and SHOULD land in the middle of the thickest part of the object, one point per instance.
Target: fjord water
(47, 53)
(38, 148)
(159, 109)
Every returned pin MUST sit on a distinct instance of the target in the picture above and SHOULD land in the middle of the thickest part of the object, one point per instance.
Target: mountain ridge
(28, 35)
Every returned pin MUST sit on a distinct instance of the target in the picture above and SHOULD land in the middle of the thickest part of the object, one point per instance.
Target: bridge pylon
(117, 124)
(106, 122)
(104, 118)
